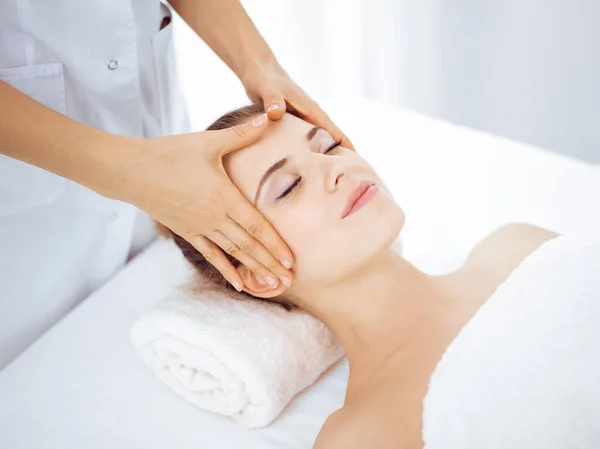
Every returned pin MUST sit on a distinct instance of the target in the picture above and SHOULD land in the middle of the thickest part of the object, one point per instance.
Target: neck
(380, 311)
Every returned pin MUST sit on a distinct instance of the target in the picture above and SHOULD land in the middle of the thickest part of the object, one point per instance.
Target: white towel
(525, 371)
(236, 357)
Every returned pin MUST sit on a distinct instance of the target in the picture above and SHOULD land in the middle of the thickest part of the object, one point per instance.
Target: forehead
(283, 138)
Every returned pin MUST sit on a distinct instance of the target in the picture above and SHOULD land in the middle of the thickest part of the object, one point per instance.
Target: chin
(381, 219)
(384, 227)
(334, 256)
(372, 236)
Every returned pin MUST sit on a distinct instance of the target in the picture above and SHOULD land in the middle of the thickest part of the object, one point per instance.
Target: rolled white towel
(236, 357)
(524, 372)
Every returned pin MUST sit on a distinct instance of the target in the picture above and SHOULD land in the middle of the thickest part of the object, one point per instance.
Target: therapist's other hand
(269, 83)
(181, 182)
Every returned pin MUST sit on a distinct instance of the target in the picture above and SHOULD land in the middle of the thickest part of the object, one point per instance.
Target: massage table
(82, 385)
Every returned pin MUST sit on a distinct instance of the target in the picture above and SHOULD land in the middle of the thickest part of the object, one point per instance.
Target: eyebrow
(272, 169)
(280, 164)
(310, 134)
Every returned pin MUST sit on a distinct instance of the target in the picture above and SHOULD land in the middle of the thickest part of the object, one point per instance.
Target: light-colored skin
(178, 180)
(394, 320)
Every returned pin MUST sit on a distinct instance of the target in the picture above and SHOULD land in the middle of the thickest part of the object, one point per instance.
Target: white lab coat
(107, 64)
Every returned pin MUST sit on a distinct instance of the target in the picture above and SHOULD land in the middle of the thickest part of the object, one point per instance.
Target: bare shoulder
(502, 251)
(524, 230)
(515, 238)
(334, 433)
(356, 429)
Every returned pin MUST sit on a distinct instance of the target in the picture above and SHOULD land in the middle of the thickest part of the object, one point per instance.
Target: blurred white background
(524, 69)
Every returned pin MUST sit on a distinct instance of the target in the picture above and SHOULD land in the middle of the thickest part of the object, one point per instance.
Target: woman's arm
(227, 29)
(38, 135)
(183, 188)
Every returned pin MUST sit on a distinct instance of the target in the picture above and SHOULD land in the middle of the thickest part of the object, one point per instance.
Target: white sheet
(81, 386)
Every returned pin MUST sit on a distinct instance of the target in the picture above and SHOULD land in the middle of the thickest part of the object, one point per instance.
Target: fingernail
(271, 281)
(273, 107)
(258, 121)
(237, 286)
(261, 281)
(286, 263)
(286, 280)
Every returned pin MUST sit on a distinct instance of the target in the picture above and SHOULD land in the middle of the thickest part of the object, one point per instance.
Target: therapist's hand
(270, 84)
(180, 181)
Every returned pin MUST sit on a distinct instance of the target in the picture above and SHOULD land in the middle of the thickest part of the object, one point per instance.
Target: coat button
(112, 65)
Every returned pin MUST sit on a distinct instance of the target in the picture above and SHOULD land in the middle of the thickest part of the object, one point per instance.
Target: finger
(261, 273)
(213, 254)
(318, 117)
(274, 106)
(312, 112)
(241, 135)
(257, 226)
(248, 245)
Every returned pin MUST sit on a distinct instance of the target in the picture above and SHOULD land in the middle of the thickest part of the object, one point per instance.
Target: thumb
(242, 135)
(274, 106)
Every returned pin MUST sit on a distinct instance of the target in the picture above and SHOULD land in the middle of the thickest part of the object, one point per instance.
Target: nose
(338, 169)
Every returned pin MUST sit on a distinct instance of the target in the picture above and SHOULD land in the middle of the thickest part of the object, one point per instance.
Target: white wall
(527, 69)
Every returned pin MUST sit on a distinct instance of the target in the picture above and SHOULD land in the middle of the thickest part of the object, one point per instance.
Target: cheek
(306, 232)
(300, 228)
(329, 251)
(323, 250)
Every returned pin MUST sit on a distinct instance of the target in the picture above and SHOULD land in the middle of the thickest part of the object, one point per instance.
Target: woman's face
(303, 183)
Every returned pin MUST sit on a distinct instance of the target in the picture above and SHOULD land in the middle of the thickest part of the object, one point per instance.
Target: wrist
(256, 71)
(120, 159)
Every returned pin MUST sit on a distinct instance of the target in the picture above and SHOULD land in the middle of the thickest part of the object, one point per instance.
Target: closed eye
(333, 146)
(291, 188)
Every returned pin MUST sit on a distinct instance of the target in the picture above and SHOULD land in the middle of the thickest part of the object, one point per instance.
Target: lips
(355, 196)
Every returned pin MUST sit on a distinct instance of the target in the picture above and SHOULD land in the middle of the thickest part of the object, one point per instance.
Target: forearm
(227, 29)
(33, 133)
